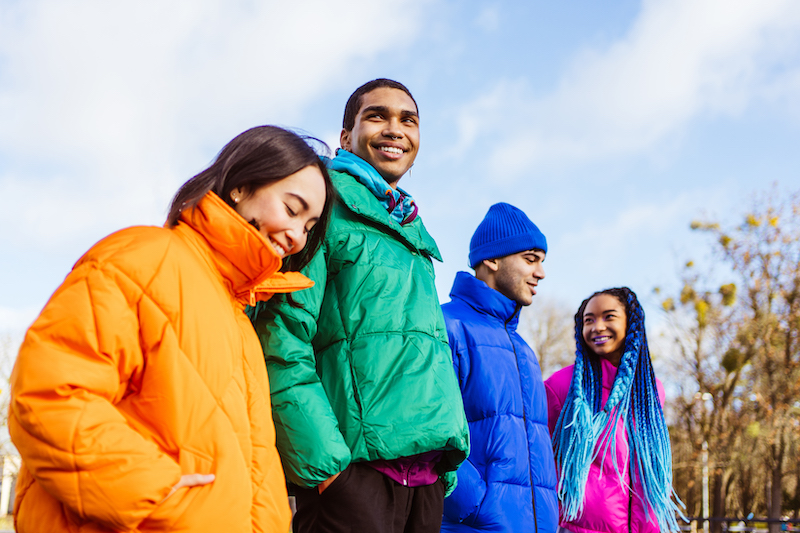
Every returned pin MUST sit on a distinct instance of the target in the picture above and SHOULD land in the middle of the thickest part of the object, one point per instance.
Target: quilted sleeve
(309, 441)
(460, 362)
(76, 361)
(554, 405)
(465, 501)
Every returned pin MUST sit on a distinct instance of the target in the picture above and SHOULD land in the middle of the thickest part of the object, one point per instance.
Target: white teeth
(278, 248)
(390, 149)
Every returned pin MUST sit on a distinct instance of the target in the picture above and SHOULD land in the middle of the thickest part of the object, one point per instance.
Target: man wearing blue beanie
(508, 483)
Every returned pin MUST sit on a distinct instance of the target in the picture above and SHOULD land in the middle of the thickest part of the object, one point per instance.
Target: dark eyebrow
(385, 110)
(300, 199)
(535, 253)
(601, 312)
(304, 204)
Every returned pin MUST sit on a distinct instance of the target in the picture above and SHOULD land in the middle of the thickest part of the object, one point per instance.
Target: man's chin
(389, 172)
(524, 299)
(389, 178)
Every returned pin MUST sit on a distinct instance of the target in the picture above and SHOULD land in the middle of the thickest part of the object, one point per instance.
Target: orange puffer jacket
(143, 367)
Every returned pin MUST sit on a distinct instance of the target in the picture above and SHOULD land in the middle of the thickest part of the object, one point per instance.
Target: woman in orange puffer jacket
(140, 400)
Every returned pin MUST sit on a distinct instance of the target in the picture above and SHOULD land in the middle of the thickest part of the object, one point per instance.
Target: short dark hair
(257, 157)
(353, 105)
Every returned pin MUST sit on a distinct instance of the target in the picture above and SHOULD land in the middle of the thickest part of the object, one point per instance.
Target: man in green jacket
(368, 412)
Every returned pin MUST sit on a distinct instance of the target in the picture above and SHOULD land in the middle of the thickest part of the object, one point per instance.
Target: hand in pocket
(327, 483)
(191, 480)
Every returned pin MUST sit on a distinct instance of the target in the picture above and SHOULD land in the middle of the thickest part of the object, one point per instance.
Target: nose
(393, 129)
(296, 238)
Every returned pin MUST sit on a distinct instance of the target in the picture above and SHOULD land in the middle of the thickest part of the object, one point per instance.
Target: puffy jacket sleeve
(557, 388)
(309, 441)
(465, 501)
(76, 362)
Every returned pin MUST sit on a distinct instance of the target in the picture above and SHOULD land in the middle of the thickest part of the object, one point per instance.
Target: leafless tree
(548, 326)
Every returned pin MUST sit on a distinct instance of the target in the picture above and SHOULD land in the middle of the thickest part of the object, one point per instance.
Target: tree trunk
(718, 510)
(776, 490)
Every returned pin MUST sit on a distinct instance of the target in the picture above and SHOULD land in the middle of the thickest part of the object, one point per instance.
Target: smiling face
(515, 276)
(385, 133)
(284, 211)
(604, 326)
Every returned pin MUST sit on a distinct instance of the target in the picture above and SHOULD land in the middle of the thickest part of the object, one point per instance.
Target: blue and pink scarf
(397, 202)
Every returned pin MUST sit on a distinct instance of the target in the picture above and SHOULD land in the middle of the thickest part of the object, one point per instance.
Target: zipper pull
(252, 297)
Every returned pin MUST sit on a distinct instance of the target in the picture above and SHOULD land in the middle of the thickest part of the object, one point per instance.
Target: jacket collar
(485, 299)
(355, 197)
(242, 256)
(397, 202)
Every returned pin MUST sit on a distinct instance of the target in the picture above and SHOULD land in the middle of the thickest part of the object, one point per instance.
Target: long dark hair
(586, 429)
(257, 157)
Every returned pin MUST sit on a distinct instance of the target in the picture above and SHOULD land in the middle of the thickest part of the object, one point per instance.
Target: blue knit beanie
(505, 230)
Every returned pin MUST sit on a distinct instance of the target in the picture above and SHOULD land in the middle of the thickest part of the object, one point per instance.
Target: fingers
(194, 480)
(190, 480)
(327, 483)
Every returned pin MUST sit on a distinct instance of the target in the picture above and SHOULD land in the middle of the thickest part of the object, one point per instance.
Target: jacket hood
(484, 299)
(238, 251)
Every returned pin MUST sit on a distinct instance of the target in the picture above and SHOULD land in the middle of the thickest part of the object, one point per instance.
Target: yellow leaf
(753, 221)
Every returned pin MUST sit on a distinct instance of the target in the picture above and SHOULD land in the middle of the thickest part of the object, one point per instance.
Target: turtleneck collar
(484, 299)
(241, 255)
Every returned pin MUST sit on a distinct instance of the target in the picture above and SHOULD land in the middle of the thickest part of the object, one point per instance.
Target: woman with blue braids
(605, 412)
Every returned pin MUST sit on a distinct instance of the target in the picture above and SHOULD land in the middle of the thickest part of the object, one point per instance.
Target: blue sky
(612, 124)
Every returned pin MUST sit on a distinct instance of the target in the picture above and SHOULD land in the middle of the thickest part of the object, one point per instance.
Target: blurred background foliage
(730, 351)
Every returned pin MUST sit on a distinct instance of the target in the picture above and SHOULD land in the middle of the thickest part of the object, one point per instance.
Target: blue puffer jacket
(509, 481)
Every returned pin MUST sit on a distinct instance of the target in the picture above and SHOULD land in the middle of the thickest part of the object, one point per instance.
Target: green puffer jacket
(363, 371)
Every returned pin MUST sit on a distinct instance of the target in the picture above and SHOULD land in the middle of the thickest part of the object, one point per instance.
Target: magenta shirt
(413, 471)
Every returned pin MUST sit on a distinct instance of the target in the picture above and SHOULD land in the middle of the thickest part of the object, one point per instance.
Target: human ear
(344, 139)
(491, 264)
(236, 195)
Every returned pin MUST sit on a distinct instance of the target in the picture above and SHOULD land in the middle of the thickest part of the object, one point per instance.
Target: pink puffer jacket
(609, 507)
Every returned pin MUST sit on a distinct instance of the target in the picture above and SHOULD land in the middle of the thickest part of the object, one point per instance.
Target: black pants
(362, 500)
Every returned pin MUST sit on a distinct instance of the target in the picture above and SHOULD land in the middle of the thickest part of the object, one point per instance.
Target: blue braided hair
(582, 432)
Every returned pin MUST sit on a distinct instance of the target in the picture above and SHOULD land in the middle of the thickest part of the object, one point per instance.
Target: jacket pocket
(175, 510)
(340, 481)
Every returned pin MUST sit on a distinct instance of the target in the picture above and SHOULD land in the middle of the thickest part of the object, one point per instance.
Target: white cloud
(488, 19)
(680, 60)
(640, 245)
(488, 108)
(106, 105)
(612, 236)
